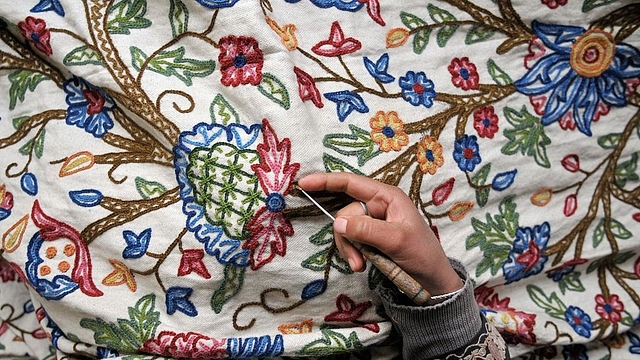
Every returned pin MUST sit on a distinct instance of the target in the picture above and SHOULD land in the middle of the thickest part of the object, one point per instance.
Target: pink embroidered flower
(349, 311)
(609, 309)
(386, 131)
(240, 61)
(191, 261)
(553, 4)
(337, 44)
(35, 31)
(373, 9)
(485, 121)
(7, 273)
(189, 345)
(463, 73)
(307, 87)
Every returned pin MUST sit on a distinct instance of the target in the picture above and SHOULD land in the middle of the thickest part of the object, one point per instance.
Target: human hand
(394, 226)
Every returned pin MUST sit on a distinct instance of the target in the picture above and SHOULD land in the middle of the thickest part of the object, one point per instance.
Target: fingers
(356, 186)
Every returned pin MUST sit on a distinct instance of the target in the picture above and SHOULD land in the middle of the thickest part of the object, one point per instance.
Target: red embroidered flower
(240, 61)
(349, 311)
(463, 73)
(186, 345)
(485, 121)
(609, 310)
(191, 261)
(307, 87)
(35, 31)
(553, 4)
(337, 44)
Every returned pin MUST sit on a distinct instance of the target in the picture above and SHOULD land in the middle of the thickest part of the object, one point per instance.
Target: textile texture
(149, 151)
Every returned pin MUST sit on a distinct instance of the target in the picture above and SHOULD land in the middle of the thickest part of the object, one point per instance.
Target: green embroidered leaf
(480, 179)
(17, 122)
(26, 148)
(82, 55)
(527, 136)
(595, 265)
(627, 319)
(126, 15)
(317, 261)
(178, 17)
(358, 143)
(443, 16)
(275, 90)
(622, 258)
(589, 5)
(173, 62)
(222, 112)
(551, 304)
(322, 237)
(333, 164)
(494, 237)
(478, 33)
(21, 81)
(627, 171)
(331, 342)
(420, 40)
(149, 189)
(411, 21)
(340, 264)
(571, 282)
(617, 229)
(609, 141)
(230, 287)
(128, 334)
(374, 277)
(497, 74)
(35, 145)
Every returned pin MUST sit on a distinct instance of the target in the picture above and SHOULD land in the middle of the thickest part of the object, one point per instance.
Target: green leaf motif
(609, 141)
(173, 63)
(149, 189)
(571, 282)
(35, 145)
(322, 237)
(178, 17)
(21, 81)
(527, 136)
(497, 74)
(478, 33)
(230, 287)
(222, 112)
(480, 179)
(411, 21)
(275, 90)
(82, 55)
(443, 16)
(125, 15)
(627, 171)
(589, 5)
(551, 304)
(17, 122)
(358, 144)
(420, 40)
(333, 164)
(127, 335)
(618, 230)
(332, 342)
(494, 237)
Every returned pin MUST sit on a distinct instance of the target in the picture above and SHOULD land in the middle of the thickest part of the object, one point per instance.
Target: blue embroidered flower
(527, 256)
(634, 339)
(49, 5)
(379, 69)
(417, 89)
(575, 352)
(466, 152)
(177, 299)
(347, 101)
(345, 5)
(211, 168)
(216, 4)
(585, 69)
(579, 321)
(89, 106)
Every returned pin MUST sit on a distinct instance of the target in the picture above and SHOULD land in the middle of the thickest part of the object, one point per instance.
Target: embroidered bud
(571, 163)
(442, 191)
(570, 205)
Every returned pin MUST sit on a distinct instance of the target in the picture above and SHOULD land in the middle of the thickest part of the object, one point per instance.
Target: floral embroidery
(36, 32)
(485, 121)
(527, 256)
(307, 87)
(191, 261)
(466, 152)
(553, 4)
(429, 155)
(217, 4)
(464, 73)
(379, 69)
(89, 107)
(417, 89)
(609, 309)
(6, 202)
(190, 345)
(347, 101)
(49, 5)
(585, 69)
(286, 33)
(579, 321)
(386, 131)
(337, 44)
(240, 61)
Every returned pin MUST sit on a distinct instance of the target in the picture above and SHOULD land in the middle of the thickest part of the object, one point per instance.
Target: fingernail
(340, 225)
(351, 264)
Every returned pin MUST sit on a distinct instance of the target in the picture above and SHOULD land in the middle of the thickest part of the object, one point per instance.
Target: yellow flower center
(592, 53)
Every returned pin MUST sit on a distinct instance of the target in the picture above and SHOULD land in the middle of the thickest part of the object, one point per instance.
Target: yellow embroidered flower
(286, 33)
(387, 131)
(429, 154)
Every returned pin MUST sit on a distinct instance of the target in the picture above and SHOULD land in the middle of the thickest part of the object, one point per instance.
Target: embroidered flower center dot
(418, 89)
(464, 73)
(388, 131)
(95, 101)
(240, 61)
(592, 53)
(577, 320)
(429, 155)
(468, 153)
(608, 308)
(35, 37)
(275, 202)
(486, 122)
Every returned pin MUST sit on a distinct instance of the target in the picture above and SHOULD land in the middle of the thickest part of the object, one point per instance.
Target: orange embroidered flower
(387, 131)
(286, 33)
(429, 154)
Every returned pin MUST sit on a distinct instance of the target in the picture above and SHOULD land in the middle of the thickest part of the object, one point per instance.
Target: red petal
(570, 205)
(636, 216)
(571, 163)
(442, 192)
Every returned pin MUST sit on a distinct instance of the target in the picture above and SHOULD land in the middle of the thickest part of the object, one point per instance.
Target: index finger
(357, 186)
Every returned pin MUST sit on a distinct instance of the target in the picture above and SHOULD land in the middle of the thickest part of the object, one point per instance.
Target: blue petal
(612, 89)
(29, 184)
(563, 36)
(49, 5)
(137, 245)
(379, 69)
(77, 115)
(86, 197)
(345, 5)
(626, 61)
(216, 4)
(99, 124)
(4, 213)
(177, 299)
(585, 106)
(347, 101)
(313, 289)
(503, 181)
(549, 71)
(561, 98)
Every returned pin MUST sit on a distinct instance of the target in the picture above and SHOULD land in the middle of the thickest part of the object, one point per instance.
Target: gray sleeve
(452, 329)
